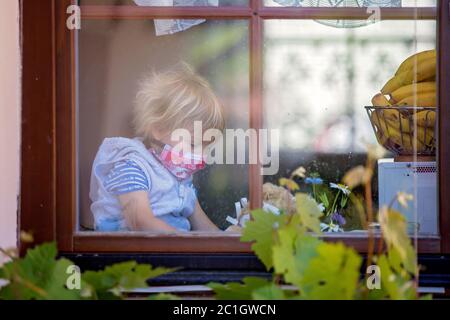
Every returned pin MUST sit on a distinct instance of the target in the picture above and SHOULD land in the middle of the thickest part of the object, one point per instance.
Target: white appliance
(416, 178)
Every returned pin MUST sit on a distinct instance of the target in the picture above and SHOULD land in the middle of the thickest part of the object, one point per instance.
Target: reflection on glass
(350, 3)
(113, 57)
(317, 81)
(166, 3)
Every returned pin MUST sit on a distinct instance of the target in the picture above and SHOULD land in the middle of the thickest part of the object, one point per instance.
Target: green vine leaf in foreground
(251, 288)
(163, 296)
(262, 230)
(38, 276)
(309, 212)
(238, 291)
(293, 253)
(394, 228)
(270, 292)
(318, 269)
(394, 285)
(109, 283)
(41, 276)
(265, 226)
(332, 274)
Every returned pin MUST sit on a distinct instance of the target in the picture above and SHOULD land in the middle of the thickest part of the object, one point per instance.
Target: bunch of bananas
(405, 130)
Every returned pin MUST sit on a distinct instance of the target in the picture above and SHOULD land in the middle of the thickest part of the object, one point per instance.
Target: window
(109, 74)
(320, 78)
(297, 69)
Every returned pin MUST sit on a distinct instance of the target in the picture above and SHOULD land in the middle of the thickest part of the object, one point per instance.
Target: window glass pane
(350, 3)
(114, 56)
(168, 3)
(318, 80)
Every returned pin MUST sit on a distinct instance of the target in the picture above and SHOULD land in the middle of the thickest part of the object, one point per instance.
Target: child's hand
(139, 215)
(233, 228)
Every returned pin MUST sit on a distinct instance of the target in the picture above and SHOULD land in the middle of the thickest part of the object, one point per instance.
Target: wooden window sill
(207, 242)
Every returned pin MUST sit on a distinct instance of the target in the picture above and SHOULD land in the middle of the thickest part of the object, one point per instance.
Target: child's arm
(138, 213)
(200, 221)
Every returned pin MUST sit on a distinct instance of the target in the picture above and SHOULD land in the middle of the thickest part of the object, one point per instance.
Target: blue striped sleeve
(125, 177)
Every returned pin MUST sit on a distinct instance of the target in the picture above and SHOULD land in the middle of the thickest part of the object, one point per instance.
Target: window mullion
(256, 104)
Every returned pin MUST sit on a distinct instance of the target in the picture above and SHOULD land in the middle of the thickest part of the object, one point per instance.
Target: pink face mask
(181, 165)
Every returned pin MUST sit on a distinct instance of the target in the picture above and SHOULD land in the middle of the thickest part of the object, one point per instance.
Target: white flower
(321, 207)
(341, 187)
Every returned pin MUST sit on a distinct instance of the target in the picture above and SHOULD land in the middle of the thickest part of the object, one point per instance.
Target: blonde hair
(175, 99)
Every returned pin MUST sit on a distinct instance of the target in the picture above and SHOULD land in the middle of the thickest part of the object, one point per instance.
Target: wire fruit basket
(405, 130)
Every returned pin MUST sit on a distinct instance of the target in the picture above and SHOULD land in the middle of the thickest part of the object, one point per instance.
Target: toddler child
(136, 184)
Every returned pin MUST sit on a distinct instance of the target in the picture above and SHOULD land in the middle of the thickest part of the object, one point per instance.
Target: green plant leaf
(309, 212)
(269, 292)
(344, 200)
(394, 228)
(163, 296)
(292, 253)
(332, 274)
(38, 276)
(262, 230)
(324, 199)
(238, 291)
(109, 283)
(284, 261)
(395, 286)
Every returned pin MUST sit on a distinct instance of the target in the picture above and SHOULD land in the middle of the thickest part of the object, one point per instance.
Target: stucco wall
(9, 120)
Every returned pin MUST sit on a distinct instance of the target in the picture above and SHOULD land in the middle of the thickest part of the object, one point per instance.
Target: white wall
(9, 121)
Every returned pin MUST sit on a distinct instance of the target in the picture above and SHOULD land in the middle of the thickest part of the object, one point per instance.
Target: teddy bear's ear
(278, 197)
